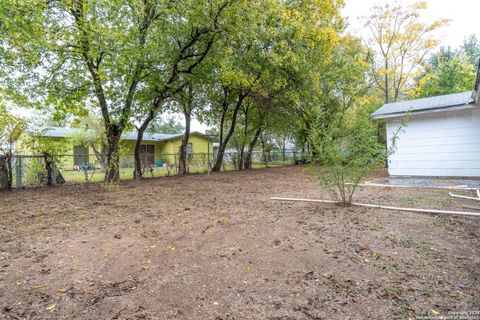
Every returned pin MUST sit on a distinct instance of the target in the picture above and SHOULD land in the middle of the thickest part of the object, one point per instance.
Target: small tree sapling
(346, 151)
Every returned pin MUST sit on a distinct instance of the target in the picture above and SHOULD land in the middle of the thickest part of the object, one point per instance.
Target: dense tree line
(260, 72)
(449, 71)
(132, 60)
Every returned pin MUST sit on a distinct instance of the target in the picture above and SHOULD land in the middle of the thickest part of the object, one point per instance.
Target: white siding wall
(437, 144)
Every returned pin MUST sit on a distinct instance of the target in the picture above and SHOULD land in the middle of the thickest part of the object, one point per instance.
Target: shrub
(345, 151)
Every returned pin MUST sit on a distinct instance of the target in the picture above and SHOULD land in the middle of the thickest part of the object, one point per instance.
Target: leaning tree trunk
(182, 163)
(137, 172)
(54, 176)
(223, 144)
(100, 155)
(251, 145)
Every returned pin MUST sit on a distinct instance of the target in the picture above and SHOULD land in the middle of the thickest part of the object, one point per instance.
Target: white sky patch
(195, 125)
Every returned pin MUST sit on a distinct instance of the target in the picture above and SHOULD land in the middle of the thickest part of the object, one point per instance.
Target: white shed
(441, 137)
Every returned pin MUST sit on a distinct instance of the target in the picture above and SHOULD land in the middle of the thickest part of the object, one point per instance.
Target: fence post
(294, 157)
(19, 173)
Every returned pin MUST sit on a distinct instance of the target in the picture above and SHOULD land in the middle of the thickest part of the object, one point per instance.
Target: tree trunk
(54, 176)
(386, 81)
(5, 173)
(241, 158)
(138, 172)
(50, 170)
(112, 172)
(264, 152)
(182, 163)
(10, 170)
(251, 145)
(100, 155)
(223, 144)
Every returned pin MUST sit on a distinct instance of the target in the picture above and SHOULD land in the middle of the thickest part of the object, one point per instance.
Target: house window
(80, 155)
(189, 149)
(147, 153)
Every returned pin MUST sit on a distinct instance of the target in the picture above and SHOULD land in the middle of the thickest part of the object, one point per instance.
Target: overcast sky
(464, 16)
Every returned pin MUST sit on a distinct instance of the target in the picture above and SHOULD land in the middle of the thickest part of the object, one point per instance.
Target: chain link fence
(38, 170)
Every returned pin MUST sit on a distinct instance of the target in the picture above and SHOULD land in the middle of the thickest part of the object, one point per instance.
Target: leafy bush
(345, 151)
(35, 172)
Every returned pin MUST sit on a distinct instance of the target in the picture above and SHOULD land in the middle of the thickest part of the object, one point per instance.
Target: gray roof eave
(428, 104)
(423, 111)
(60, 132)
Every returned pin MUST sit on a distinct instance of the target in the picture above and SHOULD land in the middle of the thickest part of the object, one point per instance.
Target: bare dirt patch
(217, 247)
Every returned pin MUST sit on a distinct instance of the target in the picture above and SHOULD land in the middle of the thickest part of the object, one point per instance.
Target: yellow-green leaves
(399, 41)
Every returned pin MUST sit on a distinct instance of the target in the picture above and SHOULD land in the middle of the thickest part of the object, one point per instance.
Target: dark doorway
(147, 153)
(80, 155)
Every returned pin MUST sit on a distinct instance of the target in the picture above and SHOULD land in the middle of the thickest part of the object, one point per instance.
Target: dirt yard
(217, 247)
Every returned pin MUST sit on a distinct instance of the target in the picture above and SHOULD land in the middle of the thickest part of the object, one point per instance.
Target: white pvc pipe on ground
(463, 197)
(475, 214)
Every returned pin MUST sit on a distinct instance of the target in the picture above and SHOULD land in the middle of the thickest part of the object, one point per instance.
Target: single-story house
(440, 138)
(155, 147)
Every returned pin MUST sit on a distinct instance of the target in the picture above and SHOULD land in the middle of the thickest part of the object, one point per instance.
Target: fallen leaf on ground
(51, 307)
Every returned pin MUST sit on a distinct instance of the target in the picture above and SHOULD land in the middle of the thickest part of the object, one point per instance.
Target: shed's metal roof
(423, 104)
(58, 132)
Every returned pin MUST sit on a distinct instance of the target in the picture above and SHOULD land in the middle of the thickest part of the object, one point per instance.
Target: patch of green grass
(399, 304)
(375, 226)
(386, 264)
(434, 222)
(72, 176)
(473, 300)
(424, 247)
(447, 222)
(339, 284)
(418, 201)
(76, 216)
(400, 240)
